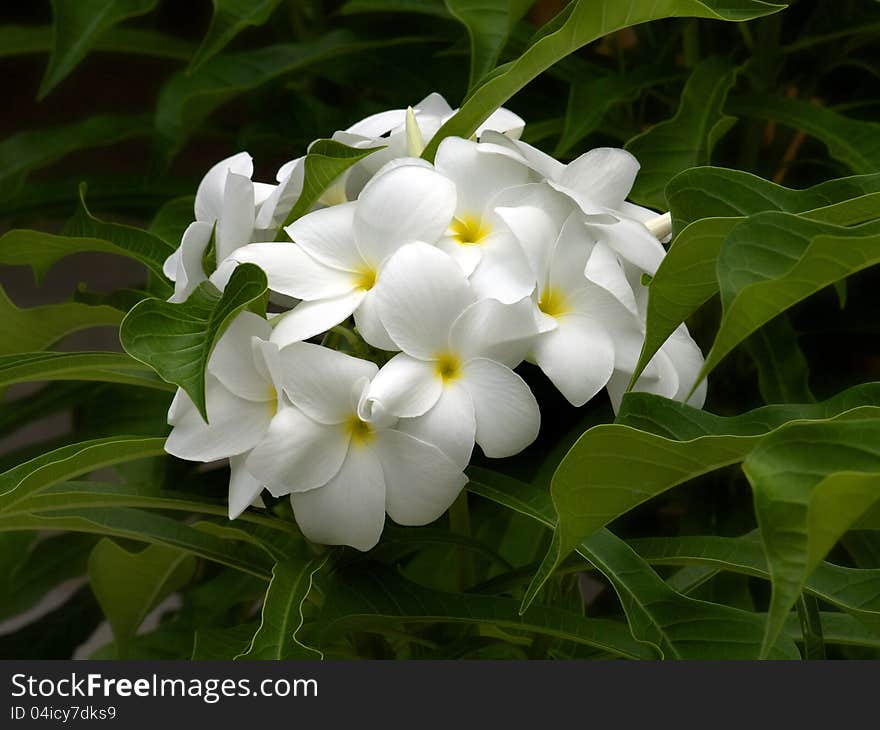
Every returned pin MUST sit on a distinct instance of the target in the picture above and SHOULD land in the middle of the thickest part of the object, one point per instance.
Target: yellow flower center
(448, 367)
(469, 230)
(553, 303)
(365, 278)
(272, 400)
(360, 431)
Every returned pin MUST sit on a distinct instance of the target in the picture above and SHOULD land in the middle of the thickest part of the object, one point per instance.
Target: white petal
(534, 214)
(378, 124)
(350, 508)
(578, 357)
(506, 412)
(190, 272)
(236, 223)
(404, 386)
(243, 487)
(604, 175)
(662, 380)
(569, 255)
(450, 424)
(232, 361)
(209, 196)
(631, 240)
(542, 163)
(620, 323)
(319, 380)
(297, 453)
(420, 292)
(328, 236)
(688, 361)
(421, 482)
(234, 425)
(504, 272)
(490, 329)
(504, 121)
(293, 272)
(308, 319)
(277, 206)
(433, 105)
(369, 324)
(604, 268)
(478, 171)
(408, 203)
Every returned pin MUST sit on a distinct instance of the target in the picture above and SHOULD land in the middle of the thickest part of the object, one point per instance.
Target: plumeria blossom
(337, 253)
(343, 473)
(404, 133)
(243, 390)
(225, 209)
(452, 382)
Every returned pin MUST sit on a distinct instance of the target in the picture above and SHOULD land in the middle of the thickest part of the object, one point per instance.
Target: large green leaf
(687, 139)
(105, 367)
(149, 527)
(772, 261)
(783, 371)
(709, 203)
(176, 340)
(372, 598)
(34, 148)
(853, 142)
(16, 40)
(586, 21)
(129, 585)
(77, 25)
(325, 161)
(811, 482)
(854, 590)
(679, 627)
(282, 615)
(84, 232)
(230, 18)
(589, 101)
(35, 328)
(69, 461)
(488, 24)
(613, 468)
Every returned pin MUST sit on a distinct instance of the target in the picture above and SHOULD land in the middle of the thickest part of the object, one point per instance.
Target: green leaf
(187, 100)
(854, 590)
(18, 40)
(854, 142)
(837, 629)
(585, 22)
(601, 479)
(222, 644)
(149, 527)
(34, 148)
(172, 219)
(176, 340)
(772, 261)
(77, 25)
(783, 371)
(230, 18)
(488, 24)
(41, 251)
(282, 615)
(372, 598)
(709, 203)
(106, 367)
(677, 626)
(129, 585)
(686, 140)
(326, 160)
(69, 461)
(589, 101)
(35, 328)
(811, 483)
(436, 8)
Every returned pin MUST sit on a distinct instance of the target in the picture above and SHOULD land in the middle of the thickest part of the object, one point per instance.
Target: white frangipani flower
(242, 395)
(478, 240)
(344, 473)
(454, 377)
(338, 252)
(225, 207)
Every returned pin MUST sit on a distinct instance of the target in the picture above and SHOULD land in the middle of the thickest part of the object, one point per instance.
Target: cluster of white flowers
(495, 254)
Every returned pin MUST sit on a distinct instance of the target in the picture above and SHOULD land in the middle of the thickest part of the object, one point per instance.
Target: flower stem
(460, 524)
